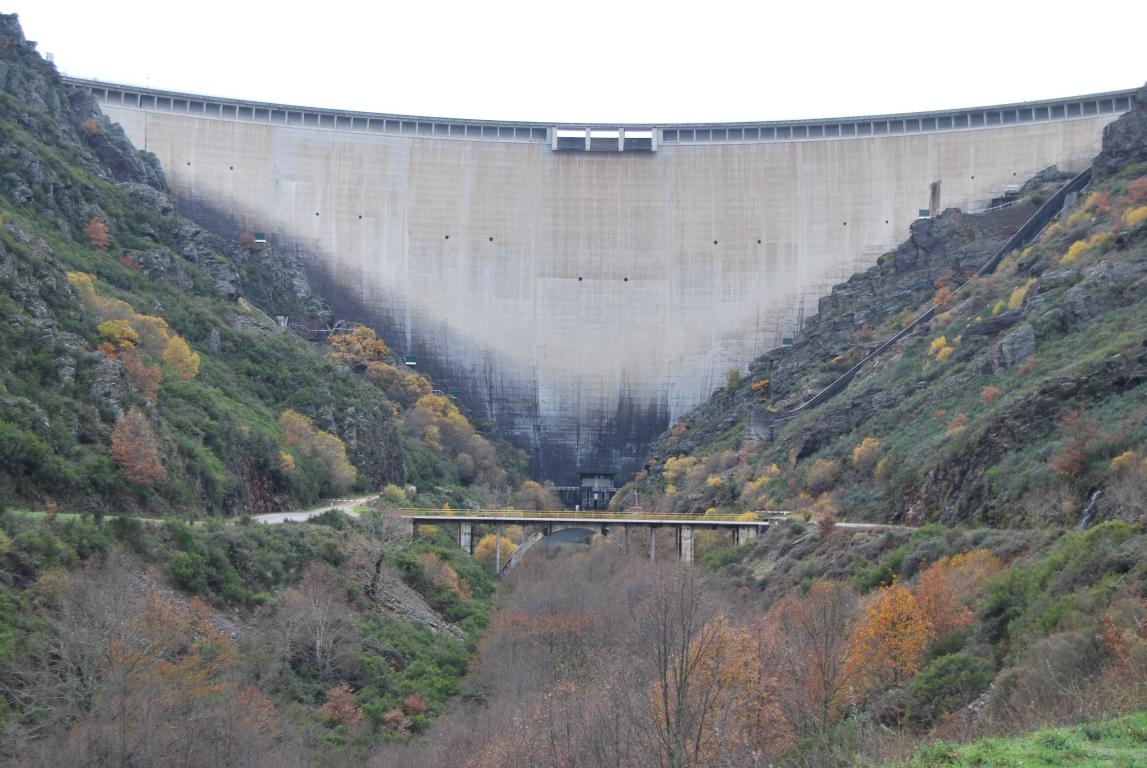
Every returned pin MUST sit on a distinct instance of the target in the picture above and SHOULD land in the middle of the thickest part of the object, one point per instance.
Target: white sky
(588, 61)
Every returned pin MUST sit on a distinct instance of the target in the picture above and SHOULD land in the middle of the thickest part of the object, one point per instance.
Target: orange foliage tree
(946, 589)
(143, 378)
(340, 708)
(889, 642)
(135, 448)
(97, 231)
(167, 689)
(1079, 433)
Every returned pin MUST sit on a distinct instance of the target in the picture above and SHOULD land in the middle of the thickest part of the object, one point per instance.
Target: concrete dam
(582, 286)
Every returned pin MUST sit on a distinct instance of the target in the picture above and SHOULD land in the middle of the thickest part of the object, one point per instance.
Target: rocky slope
(113, 304)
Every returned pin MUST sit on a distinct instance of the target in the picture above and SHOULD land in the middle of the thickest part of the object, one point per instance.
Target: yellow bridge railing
(640, 516)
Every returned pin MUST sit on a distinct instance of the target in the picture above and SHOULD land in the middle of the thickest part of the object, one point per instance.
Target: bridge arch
(544, 533)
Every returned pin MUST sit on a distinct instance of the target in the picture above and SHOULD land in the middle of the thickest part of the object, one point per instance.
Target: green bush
(944, 685)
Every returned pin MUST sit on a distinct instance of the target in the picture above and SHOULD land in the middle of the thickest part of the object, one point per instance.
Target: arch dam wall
(580, 287)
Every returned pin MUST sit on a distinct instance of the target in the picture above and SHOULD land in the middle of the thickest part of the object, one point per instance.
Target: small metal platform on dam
(581, 286)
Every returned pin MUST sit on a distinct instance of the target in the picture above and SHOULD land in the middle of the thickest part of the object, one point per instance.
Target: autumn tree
(947, 588)
(305, 440)
(144, 379)
(865, 455)
(358, 348)
(805, 640)
(135, 448)
(889, 642)
(486, 549)
(1079, 433)
(339, 708)
(119, 334)
(687, 647)
(399, 385)
(97, 232)
(167, 696)
(179, 357)
(534, 495)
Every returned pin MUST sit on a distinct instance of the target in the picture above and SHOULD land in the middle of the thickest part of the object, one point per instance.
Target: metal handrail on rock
(1029, 231)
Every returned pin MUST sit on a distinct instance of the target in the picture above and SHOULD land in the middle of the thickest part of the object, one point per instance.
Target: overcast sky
(587, 61)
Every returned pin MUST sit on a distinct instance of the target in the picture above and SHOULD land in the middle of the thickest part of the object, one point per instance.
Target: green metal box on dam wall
(581, 299)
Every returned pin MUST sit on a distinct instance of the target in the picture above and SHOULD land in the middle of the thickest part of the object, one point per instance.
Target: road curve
(342, 505)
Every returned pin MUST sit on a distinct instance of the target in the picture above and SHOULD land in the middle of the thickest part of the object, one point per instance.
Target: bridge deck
(588, 518)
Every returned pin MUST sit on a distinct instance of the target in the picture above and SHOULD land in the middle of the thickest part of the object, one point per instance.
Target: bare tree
(314, 622)
(678, 628)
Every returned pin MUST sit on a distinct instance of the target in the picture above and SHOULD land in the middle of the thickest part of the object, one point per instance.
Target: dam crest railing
(645, 136)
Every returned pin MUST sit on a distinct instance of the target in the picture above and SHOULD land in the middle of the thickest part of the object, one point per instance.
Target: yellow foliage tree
(325, 449)
(118, 333)
(180, 358)
(1016, 299)
(486, 549)
(864, 455)
(401, 386)
(358, 348)
(1134, 216)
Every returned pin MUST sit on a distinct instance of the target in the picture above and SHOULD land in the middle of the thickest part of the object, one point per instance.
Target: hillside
(144, 371)
(1016, 405)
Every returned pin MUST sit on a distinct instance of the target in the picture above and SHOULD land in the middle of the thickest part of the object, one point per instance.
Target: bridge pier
(466, 537)
(742, 535)
(498, 548)
(685, 544)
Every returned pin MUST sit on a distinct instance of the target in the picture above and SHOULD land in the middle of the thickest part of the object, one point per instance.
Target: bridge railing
(519, 514)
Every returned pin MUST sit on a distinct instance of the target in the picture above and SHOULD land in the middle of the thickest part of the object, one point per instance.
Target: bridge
(580, 287)
(612, 525)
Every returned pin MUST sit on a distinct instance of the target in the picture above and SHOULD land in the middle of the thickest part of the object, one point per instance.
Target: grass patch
(1121, 743)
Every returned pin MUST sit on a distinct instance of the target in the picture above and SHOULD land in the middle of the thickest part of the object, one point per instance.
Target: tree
(144, 379)
(135, 448)
(315, 624)
(1079, 432)
(486, 549)
(180, 358)
(340, 708)
(534, 495)
(358, 348)
(865, 455)
(119, 334)
(327, 451)
(805, 640)
(947, 588)
(400, 385)
(167, 696)
(697, 664)
(889, 642)
(97, 231)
